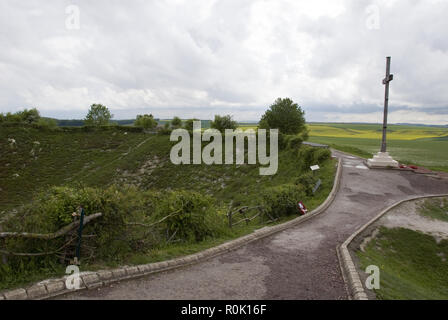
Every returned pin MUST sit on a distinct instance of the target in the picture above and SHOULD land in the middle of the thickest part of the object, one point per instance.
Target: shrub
(282, 200)
(188, 125)
(307, 181)
(26, 117)
(166, 130)
(47, 123)
(190, 215)
(176, 123)
(145, 121)
(223, 122)
(295, 142)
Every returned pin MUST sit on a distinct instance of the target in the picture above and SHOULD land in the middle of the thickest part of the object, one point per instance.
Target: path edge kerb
(90, 280)
(350, 274)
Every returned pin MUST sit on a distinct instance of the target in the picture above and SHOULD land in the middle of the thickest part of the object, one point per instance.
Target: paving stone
(172, 263)
(156, 266)
(36, 291)
(143, 268)
(18, 294)
(132, 270)
(55, 286)
(105, 274)
(90, 279)
(119, 273)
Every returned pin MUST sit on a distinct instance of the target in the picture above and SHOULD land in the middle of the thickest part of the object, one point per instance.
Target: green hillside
(75, 157)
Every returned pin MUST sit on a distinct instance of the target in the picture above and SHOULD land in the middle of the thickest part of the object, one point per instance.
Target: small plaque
(314, 168)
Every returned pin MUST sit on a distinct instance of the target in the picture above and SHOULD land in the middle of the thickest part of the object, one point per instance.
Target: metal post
(386, 82)
(81, 225)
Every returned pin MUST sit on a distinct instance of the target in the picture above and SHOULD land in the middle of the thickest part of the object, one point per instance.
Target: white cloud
(196, 58)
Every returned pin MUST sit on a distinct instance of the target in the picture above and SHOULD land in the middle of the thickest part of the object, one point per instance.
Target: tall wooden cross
(386, 81)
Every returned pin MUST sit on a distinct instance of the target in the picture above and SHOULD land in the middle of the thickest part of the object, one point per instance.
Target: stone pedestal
(382, 160)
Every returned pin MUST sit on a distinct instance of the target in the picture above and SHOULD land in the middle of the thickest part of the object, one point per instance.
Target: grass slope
(412, 264)
(99, 158)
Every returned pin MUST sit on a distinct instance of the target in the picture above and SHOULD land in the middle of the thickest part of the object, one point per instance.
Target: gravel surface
(299, 263)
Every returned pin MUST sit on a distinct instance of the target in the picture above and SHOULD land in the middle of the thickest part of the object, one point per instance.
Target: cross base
(382, 160)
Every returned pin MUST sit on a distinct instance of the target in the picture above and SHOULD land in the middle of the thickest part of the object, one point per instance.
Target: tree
(284, 115)
(176, 122)
(224, 122)
(146, 121)
(98, 115)
(30, 116)
(188, 125)
(25, 116)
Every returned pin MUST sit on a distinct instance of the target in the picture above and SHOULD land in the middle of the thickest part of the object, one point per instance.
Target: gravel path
(299, 263)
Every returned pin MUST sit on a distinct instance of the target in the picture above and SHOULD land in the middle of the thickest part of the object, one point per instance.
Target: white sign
(314, 168)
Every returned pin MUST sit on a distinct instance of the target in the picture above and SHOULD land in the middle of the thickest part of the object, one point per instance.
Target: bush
(191, 215)
(26, 116)
(47, 123)
(307, 182)
(145, 121)
(311, 156)
(223, 122)
(282, 200)
(188, 125)
(166, 130)
(132, 221)
(176, 123)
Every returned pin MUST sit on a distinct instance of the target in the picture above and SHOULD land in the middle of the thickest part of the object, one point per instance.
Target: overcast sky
(198, 58)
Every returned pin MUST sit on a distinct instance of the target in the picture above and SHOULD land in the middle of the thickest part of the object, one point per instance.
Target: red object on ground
(302, 209)
(413, 167)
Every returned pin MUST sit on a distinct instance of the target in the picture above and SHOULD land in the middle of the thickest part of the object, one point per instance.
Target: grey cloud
(222, 56)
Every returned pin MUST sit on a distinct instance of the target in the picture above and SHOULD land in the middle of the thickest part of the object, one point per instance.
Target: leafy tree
(286, 116)
(29, 116)
(224, 122)
(176, 122)
(25, 116)
(188, 125)
(146, 121)
(98, 115)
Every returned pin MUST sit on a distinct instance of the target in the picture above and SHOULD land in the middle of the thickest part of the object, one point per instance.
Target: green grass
(436, 208)
(412, 264)
(423, 146)
(103, 157)
(60, 158)
(411, 145)
(100, 158)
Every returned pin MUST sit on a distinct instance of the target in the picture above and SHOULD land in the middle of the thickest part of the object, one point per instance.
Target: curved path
(298, 263)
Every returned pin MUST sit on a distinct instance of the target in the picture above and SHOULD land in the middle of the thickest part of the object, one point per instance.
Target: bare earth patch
(406, 216)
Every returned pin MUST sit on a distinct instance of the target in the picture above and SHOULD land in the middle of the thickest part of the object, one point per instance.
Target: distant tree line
(284, 115)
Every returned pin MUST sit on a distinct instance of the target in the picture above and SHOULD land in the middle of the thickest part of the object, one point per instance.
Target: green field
(419, 145)
(425, 146)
